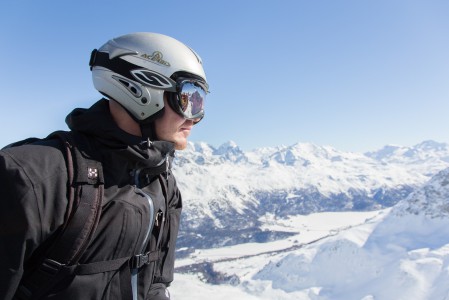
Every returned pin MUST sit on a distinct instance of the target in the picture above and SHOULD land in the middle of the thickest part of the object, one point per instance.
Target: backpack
(58, 257)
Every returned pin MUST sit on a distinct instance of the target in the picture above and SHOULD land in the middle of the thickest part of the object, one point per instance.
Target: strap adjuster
(51, 267)
(93, 57)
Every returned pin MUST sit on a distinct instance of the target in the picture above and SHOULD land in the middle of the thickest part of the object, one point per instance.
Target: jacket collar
(97, 123)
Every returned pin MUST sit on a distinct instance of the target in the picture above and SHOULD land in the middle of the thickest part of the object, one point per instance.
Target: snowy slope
(405, 257)
(399, 253)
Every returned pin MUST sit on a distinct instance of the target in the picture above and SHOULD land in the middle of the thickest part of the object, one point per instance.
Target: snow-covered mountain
(424, 158)
(422, 220)
(405, 257)
(226, 190)
(398, 253)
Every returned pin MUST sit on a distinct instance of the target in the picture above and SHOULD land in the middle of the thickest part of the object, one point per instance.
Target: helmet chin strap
(148, 129)
(148, 133)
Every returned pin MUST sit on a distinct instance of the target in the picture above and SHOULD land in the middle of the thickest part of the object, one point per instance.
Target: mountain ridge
(226, 190)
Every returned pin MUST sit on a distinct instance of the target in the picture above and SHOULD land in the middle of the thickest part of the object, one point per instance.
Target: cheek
(159, 127)
(171, 117)
(167, 126)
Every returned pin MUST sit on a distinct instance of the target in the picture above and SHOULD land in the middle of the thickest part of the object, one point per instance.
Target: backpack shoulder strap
(85, 195)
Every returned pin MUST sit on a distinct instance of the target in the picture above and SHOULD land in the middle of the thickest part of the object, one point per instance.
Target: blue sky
(356, 75)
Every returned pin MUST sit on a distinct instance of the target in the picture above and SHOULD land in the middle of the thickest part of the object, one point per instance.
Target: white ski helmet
(136, 69)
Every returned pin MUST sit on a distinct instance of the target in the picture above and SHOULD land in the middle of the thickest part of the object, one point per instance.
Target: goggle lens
(191, 98)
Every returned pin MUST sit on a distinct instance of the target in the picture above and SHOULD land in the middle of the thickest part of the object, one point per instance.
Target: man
(148, 80)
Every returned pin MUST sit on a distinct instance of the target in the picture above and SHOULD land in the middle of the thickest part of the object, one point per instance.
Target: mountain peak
(423, 151)
(227, 147)
(432, 145)
(228, 144)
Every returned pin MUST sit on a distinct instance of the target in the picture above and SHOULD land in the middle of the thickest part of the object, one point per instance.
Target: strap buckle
(138, 261)
(51, 267)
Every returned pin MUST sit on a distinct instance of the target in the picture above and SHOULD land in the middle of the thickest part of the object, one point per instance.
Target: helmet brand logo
(153, 79)
(157, 58)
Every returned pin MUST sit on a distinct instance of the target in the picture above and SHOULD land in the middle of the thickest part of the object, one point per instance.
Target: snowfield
(397, 253)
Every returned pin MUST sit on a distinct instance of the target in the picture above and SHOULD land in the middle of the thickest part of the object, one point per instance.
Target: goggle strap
(116, 65)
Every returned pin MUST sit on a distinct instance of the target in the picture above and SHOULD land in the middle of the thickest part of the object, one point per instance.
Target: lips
(186, 128)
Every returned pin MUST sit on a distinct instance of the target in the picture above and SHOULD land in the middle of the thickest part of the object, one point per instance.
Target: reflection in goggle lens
(191, 99)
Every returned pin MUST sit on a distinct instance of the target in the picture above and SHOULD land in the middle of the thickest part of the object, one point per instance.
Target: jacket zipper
(134, 272)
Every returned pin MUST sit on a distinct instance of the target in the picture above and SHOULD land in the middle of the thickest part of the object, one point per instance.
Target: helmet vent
(130, 86)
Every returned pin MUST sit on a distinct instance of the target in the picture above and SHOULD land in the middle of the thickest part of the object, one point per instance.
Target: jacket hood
(97, 122)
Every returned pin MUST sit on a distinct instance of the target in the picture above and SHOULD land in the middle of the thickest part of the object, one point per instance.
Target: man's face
(172, 127)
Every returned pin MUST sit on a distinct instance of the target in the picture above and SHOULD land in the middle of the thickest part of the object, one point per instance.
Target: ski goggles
(188, 100)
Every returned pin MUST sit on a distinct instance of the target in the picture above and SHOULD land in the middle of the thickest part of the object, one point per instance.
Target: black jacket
(33, 180)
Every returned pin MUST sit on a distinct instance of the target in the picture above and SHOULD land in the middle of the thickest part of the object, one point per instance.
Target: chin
(180, 145)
